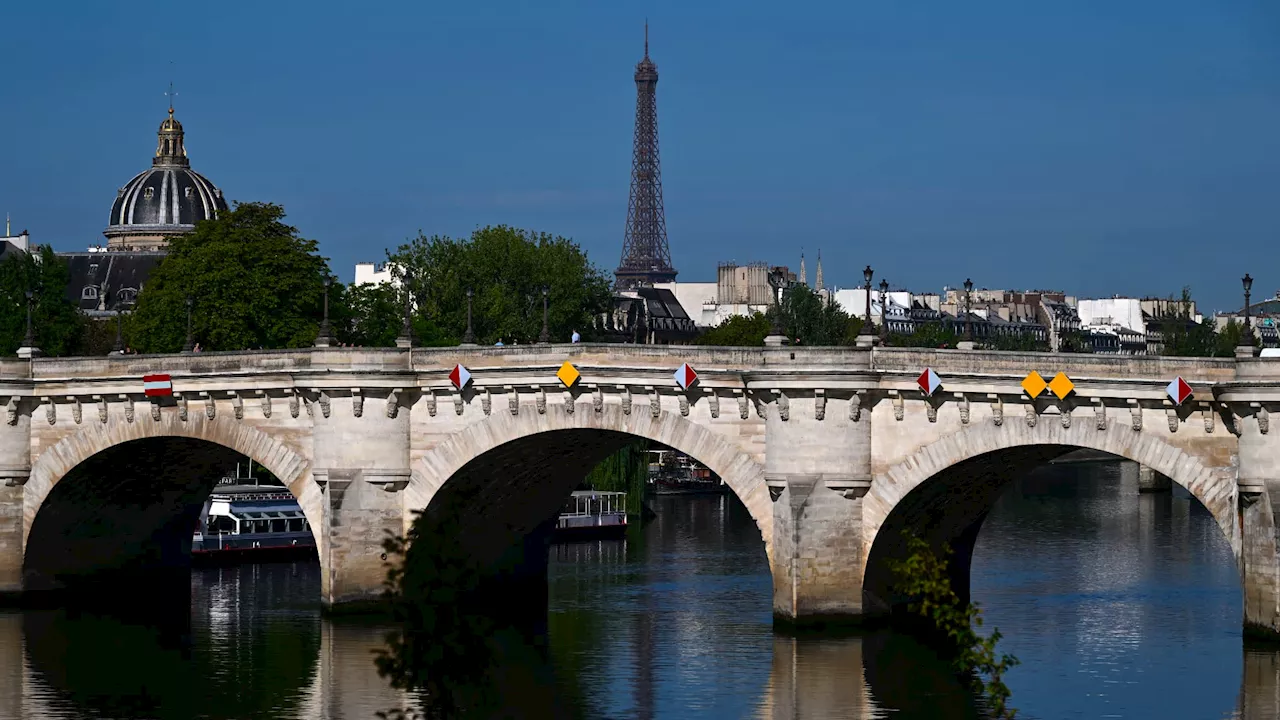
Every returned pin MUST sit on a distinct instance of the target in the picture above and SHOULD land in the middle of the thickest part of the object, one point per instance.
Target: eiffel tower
(646, 259)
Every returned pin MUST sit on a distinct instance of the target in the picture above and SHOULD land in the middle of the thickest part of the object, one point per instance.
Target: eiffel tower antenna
(646, 257)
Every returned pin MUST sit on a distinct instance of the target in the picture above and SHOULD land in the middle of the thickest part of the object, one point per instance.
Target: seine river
(1119, 605)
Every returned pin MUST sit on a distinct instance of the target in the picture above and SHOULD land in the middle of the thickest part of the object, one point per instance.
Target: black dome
(166, 197)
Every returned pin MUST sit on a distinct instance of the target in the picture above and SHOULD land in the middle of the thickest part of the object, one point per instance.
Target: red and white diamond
(685, 376)
(459, 376)
(929, 381)
(1179, 390)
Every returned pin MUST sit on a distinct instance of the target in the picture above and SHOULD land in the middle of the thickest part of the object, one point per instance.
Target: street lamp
(1247, 339)
(30, 339)
(119, 348)
(191, 343)
(324, 339)
(968, 309)
(866, 322)
(406, 331)
(544, 337)
(884, 310)
(469, 338)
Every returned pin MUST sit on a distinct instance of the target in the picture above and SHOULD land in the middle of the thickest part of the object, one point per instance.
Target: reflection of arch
(954, 480)
(743, 475)
(55, 462)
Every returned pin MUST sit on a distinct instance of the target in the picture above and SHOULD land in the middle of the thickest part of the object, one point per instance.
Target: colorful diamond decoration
(929, 381)
(1179, 390)
(685, 376)
(1033, 384)
(459, 376)
(568, 374)
(1061, 385)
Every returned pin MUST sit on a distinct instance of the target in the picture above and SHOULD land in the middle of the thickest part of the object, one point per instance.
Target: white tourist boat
(592, 514)
(243, 520)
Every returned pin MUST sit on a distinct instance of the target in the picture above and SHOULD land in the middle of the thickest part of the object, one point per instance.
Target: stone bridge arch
(966, 471)
(602, 432)
(56, 462)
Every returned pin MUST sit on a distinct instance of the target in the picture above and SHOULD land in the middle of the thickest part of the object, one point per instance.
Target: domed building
(166, 200)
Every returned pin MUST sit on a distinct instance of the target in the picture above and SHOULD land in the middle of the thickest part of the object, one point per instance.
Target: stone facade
(834, 451)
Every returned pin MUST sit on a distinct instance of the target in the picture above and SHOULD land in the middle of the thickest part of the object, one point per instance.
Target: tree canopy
(254, 283)
(506, 268)
(55, 320)
(805, 317)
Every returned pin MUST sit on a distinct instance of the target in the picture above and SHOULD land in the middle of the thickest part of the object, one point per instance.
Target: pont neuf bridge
(833, 451)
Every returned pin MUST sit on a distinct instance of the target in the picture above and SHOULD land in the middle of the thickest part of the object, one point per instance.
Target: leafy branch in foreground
(923, 578)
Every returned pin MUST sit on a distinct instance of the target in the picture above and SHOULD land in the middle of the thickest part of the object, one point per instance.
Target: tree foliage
(809, 319)
(627, 470)
(1183, 336)
(254, 281)
(506, 268)
(55, 320)
(923, 577)
(926, 335)
(738, 331)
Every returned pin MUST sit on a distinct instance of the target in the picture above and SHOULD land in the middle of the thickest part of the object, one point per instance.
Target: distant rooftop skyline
(1098, 149)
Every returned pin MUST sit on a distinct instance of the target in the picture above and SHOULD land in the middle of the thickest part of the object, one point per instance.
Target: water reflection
(1119, 604)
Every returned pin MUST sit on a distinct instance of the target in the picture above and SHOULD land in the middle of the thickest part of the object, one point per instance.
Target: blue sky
(1093, 146)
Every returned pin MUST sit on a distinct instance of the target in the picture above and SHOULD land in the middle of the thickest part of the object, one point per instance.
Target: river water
(1119, 605)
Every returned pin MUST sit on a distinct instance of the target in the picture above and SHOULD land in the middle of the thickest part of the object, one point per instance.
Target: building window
(188, 191)
(89, 292)
(148, 192)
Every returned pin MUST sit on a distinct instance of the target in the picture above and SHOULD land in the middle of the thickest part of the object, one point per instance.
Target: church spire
(804, 274)
(817, 280)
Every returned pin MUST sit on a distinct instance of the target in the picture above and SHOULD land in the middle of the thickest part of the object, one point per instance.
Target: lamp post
(544, 337)
(324, 339)
(191, 343)
(884, 310)
(776, 338)
(968, 309)
(469, 338)
(30, 339)
(867, 274)
(406, 331)
(119, 348)
(1247, 338)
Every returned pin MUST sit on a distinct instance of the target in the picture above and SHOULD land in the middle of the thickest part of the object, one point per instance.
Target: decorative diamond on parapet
(685, 376)
(1179, 390)
(1061, 385)
(1033, 384)
(568, 374)
(459, 376)
(929, 381)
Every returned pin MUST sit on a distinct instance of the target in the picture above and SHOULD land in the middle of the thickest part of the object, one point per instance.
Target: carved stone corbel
(430, 397)
(819, 405)
(486, 402)
(11, 411)
(1206, 412)
(898, 409)
(568, 402)
(742, 406)
(626, 399)
(713, 404)
(597, 399)
(1031, 414)
(128, 407)
(964, 408)
(311, 408)
(655, 403)
(1264, 420)
(997, 410)
(457, 403)
(855, 407)
(265, 402)
(1064, 414)
(325, 404)
(930, 411)
(155, 410)
(182, 408)
(784, 406)
(513, 400)
(684, 404)
(1172, 414)
(50, 410)
(237, 406)
(1135, 415)
(393, 404)
(762, 407)
(102, 409)
(357, 403)
(77, 414)
(1100, 414)
(293, 403)
(210, 407)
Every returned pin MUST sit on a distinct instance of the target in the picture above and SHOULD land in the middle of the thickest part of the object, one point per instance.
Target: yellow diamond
(1034, 384)
(1061, 385)
(568, 374)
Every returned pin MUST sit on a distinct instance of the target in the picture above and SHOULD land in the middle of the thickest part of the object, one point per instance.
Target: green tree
(923, 576)
(370, 315)
(738, 331)
(812, 320)
(55, 320)
(254, 281)
(1022, 342)
(627, 470)
(927, 335)
(506, 268)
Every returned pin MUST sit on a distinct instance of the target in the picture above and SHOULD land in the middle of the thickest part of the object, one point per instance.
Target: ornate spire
(817, 280)
(804, 274)
(646, 258)
(170, 149)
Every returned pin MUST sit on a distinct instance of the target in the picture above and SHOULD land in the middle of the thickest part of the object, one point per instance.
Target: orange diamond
(568, 374)
(1033, 384)
(1061, 385)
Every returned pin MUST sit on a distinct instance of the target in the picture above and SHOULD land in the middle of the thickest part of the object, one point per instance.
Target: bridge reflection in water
(675, 622)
